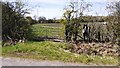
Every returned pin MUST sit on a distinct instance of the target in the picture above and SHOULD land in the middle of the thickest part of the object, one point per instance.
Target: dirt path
(30, 62)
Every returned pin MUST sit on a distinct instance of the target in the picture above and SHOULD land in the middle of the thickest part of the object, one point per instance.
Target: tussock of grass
(47, 50)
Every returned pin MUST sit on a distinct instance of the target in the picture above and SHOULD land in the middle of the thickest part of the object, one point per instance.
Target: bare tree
(114, 20)
(73, 14)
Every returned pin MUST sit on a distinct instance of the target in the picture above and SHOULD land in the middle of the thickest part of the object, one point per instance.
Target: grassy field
(47, 50)
(49, 30)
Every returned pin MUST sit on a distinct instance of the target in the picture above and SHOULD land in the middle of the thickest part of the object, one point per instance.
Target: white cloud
(55, 2)
(48, 1)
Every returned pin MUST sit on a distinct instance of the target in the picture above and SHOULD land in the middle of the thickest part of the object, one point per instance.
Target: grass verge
(0, 48)
(47, 50)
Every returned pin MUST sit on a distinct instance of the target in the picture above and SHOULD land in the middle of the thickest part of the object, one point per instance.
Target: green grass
(0, 48)
(47, 50)
(52, 24)
(50, 30)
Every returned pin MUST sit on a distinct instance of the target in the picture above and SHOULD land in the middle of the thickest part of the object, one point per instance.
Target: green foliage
(63, 21)
(14, 25)
(30, 20)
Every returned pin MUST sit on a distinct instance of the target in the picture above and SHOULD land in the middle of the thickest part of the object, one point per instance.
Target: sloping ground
(46, 50)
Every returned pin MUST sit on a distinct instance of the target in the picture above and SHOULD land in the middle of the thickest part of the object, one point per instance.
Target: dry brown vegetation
(101, 49)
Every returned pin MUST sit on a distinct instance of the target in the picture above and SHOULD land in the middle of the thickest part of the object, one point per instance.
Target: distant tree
(54, 20)
(35, 21)
(50, 21)
(42, 19)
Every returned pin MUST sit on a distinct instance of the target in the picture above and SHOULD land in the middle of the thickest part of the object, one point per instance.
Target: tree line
(43, 19)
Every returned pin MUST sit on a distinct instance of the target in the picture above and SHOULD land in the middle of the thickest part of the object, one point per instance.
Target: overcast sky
(54, 8)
